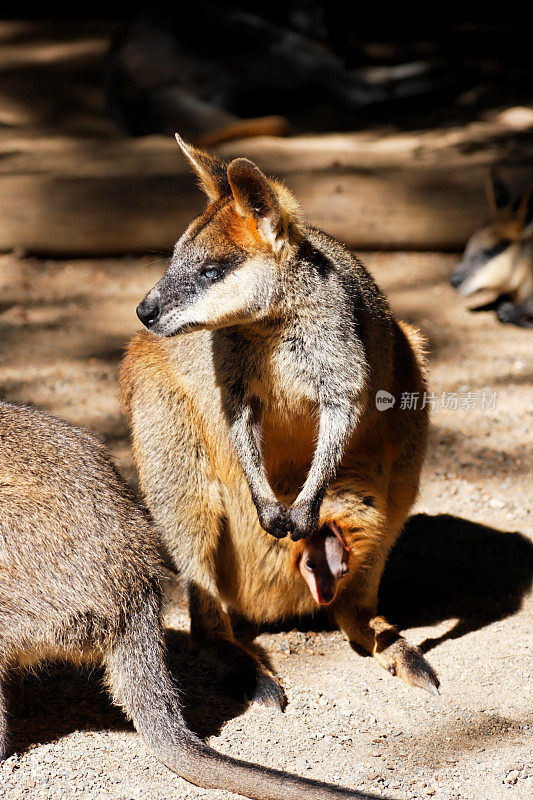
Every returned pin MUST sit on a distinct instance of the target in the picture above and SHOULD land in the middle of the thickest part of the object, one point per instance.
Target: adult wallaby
(261, 416)
(79, 580)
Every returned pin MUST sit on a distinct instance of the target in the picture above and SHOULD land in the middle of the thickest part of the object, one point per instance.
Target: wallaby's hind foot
(258, 687)
(244, 677)
(375, 635)
(406, 661)
(269, 691)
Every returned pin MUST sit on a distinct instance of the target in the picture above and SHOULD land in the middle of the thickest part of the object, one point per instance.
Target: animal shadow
(59, 699)
(444, 567)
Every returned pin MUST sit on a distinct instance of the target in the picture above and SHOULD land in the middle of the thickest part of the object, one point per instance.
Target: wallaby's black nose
(149, 311)
(327, 596)
(456, 279)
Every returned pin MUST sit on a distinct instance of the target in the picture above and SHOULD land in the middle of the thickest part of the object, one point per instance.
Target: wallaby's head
(323, 563)
(490, 255)
(228, 267)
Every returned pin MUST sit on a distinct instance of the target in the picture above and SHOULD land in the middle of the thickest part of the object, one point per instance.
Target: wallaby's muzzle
(458, 275)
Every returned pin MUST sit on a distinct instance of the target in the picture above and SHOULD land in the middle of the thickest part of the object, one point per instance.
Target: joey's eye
(345, 571)
(310, 565)
(211, 273)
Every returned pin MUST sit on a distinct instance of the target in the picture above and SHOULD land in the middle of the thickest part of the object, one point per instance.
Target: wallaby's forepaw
(274, 519)
(407, 662)
(514, 313)
(303, 520)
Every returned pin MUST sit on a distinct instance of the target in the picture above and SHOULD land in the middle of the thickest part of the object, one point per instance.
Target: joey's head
(490, 254)
(227, 267)
(323, 563)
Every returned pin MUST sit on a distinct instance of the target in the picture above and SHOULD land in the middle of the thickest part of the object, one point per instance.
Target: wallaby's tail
(140, 682)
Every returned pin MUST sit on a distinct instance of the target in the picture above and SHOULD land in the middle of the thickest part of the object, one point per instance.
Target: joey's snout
(323, 563)
(149, 310)
(321, 582)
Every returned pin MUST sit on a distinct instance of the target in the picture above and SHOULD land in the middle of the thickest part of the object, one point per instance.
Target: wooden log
(63, 196)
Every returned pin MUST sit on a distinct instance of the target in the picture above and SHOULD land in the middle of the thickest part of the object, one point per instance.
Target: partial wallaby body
(261, 416)
(79, 580)
(499, 256)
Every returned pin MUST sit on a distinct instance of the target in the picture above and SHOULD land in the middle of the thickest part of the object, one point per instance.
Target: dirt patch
(457, 581)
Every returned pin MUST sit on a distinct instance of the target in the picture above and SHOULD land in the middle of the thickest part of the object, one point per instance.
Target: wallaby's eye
(345, 571)
(211, 273)
(492, 252)
(310, 565)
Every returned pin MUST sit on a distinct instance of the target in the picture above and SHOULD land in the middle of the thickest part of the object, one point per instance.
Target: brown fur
(79, 580)
(209, 501)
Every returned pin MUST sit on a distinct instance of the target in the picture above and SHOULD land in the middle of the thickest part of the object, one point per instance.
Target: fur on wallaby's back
(79, 580)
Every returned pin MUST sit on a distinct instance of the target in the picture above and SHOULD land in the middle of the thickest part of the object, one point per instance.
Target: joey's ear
(498, 194)
(524, 208)
(256, 196)
(339, 534)
(211, 171)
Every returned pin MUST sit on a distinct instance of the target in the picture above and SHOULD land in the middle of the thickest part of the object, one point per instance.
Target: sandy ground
(456, 583)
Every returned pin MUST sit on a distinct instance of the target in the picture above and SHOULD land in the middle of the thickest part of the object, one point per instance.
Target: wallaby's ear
(211, 171)
(498, 194)
(254, 195)
(524, 208)
(269, 202)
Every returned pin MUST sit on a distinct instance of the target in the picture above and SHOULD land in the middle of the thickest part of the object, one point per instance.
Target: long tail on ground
(140, 682)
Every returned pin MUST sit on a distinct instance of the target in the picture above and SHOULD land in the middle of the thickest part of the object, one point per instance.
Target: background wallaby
(79, 580)
(262, 414)
(499, 256)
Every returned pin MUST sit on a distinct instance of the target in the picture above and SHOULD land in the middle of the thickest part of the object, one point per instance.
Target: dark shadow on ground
(445, 567)
(442, 567)
(62, 699)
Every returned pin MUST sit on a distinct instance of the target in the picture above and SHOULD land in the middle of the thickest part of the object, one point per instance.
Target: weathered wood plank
(69, 196)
